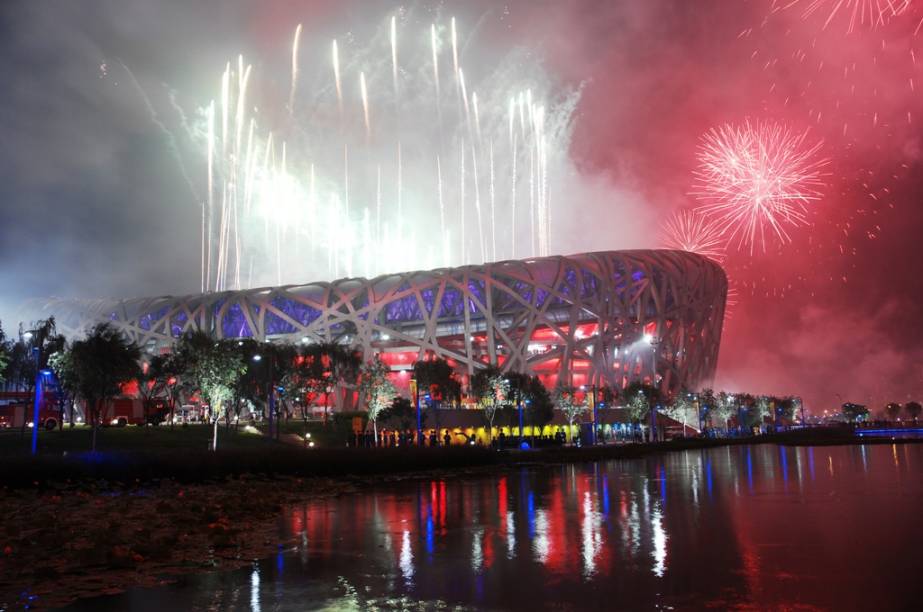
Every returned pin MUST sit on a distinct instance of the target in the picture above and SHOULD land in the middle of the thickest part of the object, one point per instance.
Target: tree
(681, 407)
(213, 367)
(436, 376)
(787, 408)
(534, 397)
(101, 363)
(913, 410)
(892, 409)
(377, 390)
(756, 409)
(328, 366)
(491, 389)
(62, 364)
(4, 355)
(565, 398)
(707, 402)
(855, 413)
(639, 398)
(725, 406)
(401, 410)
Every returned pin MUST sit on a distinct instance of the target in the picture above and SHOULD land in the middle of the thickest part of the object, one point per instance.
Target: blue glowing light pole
(519, 399)
(38, 402)
(416, 399)
(595, 413)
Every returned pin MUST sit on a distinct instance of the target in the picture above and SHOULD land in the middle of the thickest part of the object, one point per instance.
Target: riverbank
(82, 525)
(148, 455)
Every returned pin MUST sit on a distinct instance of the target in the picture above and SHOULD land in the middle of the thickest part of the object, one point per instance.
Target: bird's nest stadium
(605, 318)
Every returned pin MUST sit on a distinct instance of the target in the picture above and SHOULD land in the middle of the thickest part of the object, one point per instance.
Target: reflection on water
(753, 526)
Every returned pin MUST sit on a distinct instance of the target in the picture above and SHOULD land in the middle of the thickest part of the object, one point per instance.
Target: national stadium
(604, 318)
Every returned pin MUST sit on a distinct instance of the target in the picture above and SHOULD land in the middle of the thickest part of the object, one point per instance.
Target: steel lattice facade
(580, 319)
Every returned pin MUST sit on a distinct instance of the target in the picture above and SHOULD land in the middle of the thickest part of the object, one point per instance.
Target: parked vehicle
(124, 411)
(17, 408)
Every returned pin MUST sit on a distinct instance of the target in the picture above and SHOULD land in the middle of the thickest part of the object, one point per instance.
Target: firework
(755, 180)
(690, 231)
(856, 13)
(309, 184)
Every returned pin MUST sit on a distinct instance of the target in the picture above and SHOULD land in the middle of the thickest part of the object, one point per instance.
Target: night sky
(94, 201)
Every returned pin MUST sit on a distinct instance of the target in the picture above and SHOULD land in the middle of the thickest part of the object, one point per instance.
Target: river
(764, 526)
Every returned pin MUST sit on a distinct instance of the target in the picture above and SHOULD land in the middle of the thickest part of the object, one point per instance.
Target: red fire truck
(17, 408)
(124, 411)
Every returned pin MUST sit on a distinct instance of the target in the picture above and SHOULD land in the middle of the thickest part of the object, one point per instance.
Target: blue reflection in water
(708, 480)
(784, 459)
(280, 561)
(531, 514)
(662, 474)
(606, 495)
(429, 534)
(749, 470)
(811, 461)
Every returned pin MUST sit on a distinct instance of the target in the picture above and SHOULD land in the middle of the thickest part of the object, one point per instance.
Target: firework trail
(365, 106)
(336, 76)
(394, 53)
(291, 95)
(432, 38)
(757, 178)
(690, 231)
(155, 119)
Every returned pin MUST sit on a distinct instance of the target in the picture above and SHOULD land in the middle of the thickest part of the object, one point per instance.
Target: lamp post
(591, 395)
(37, 391)
(653, 343)
(519, 401)
(272, 403)
(416, 400)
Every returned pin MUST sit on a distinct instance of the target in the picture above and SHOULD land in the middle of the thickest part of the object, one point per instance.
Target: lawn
(131, 438)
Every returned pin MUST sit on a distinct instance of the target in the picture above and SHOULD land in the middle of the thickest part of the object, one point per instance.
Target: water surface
(757, 527)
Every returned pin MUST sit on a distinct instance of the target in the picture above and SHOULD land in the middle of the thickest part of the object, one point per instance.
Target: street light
(416, 400)
(37, 392)
(592, 397)
(272, 404)
(653, 343)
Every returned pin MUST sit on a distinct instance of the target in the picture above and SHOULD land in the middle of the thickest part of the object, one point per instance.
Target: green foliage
(639, 398)
(725, 406)
(4, 354)
(375, 388)
(491, 388)
(212, 367)
(565, 398)
(98, 366)
(855, 412)
(64, 368)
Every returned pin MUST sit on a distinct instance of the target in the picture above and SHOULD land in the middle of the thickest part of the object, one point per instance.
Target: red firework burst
(688, 230)
(757, 178)
(857, 13)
